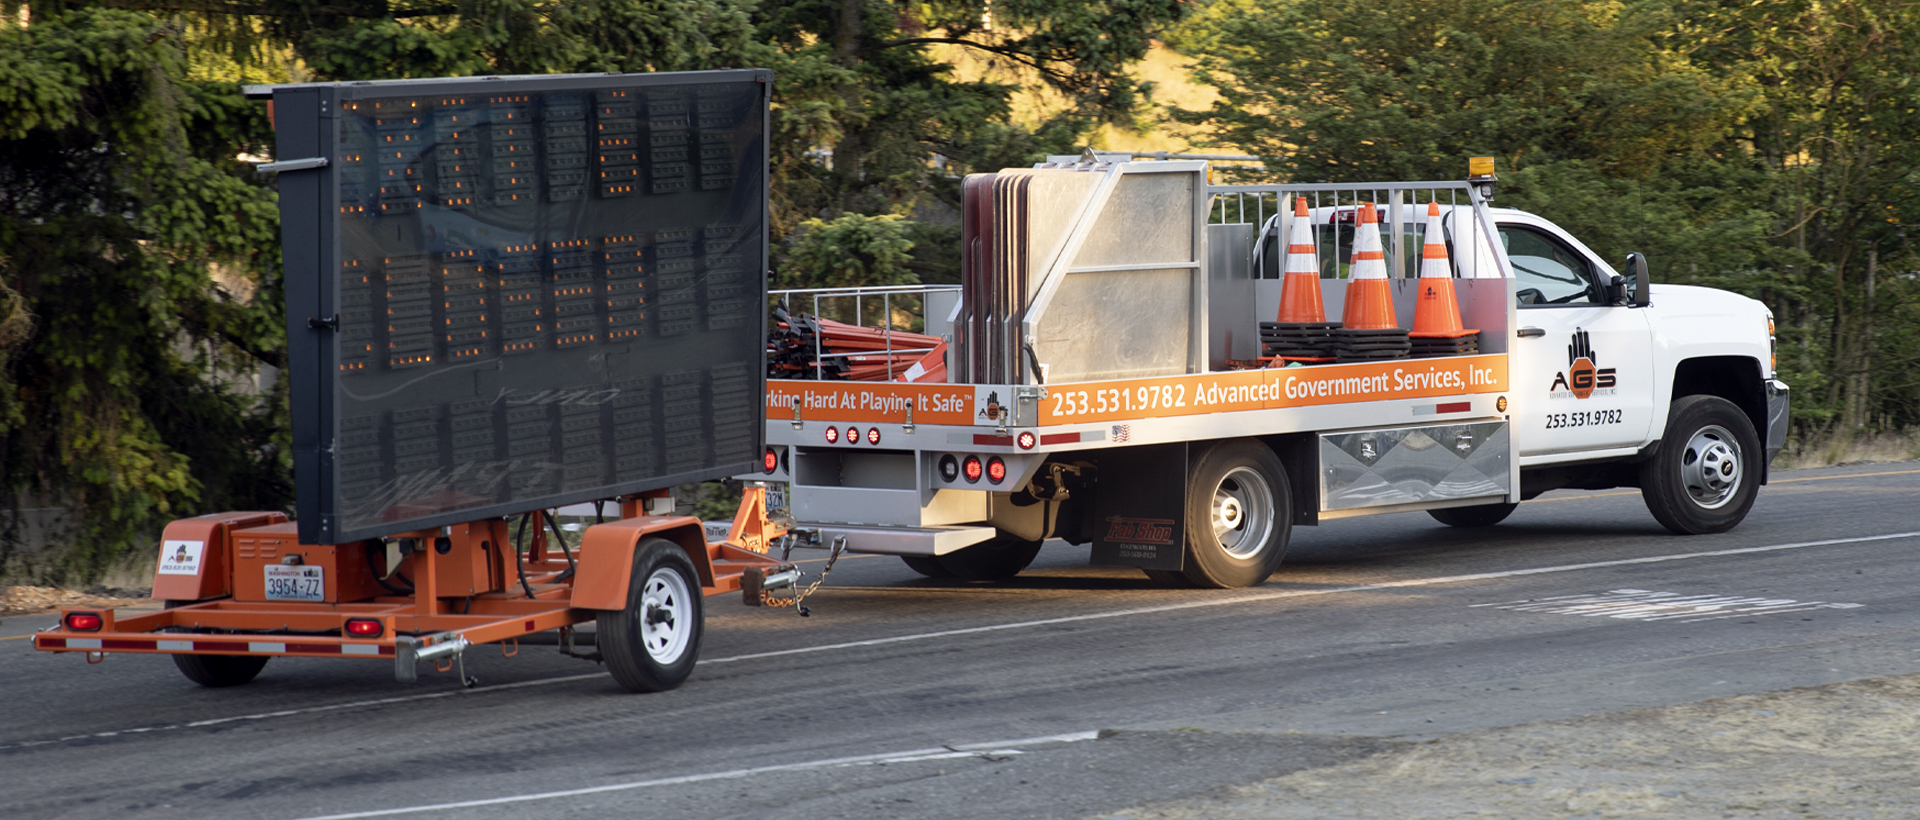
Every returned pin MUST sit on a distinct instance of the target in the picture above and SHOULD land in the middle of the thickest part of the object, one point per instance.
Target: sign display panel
(525, 292)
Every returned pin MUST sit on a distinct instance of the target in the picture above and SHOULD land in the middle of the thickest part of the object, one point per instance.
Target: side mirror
(1617, 290)
(1637, 272)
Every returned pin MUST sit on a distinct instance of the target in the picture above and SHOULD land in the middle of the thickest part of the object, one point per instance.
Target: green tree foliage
(138, 258)
(120, 349)
(1761, 147)
(850, 251)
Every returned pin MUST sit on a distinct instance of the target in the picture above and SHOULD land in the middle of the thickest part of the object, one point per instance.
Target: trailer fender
(606, 556)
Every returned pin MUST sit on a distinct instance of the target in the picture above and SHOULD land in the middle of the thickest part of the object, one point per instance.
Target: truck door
(1582, 368)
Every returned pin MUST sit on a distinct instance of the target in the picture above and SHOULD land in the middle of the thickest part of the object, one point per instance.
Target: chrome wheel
(666, 617)
(1710, 467)
(1242, 512)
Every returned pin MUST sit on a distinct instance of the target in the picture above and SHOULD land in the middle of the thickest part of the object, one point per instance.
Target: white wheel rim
(666, 616)
(1242, 512)
(1710, 467)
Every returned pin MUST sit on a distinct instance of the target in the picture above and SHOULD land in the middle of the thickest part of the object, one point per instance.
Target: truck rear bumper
(1778, 399)
(905, 540)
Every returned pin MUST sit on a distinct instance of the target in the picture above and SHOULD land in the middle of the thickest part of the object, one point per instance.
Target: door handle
(1530, 332)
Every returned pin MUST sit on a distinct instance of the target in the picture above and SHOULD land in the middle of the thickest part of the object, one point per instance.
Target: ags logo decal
(1583, 375)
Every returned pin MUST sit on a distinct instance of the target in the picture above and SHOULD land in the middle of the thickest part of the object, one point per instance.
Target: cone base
(1445, 334)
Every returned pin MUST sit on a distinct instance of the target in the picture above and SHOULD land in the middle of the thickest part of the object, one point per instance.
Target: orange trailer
(241, 589)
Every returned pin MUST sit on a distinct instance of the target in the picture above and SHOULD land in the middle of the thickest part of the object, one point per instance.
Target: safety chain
(768, 599)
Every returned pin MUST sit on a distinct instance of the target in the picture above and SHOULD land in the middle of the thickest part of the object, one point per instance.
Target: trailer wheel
(926, 565)
(1703, 476)
(651, 645)
(215, 671)
(994, 560)
(1239, 515)
(1484, 515)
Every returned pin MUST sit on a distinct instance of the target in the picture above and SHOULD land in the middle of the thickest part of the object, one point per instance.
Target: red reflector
(770, 461)
(986, 440)
(873, 435)
(996, 471)
(1453, 407)
(84, 621)
(833, 434)
(971, 468)
(1026, 440)
(364, 628)
(1060, 438)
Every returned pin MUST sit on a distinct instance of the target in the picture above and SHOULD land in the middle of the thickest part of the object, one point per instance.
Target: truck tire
(1484, 515)
(652, 644)
(926, 565)
(1705, 473)
(995, 560)
(1239, 515)
(215, 671)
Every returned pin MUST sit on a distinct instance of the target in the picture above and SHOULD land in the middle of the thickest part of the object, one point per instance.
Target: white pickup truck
(1106, 385)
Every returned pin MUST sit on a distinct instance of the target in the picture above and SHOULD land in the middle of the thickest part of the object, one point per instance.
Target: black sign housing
(515, 293)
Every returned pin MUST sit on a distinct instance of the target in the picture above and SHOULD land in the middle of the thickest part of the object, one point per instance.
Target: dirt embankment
(26, 600)
(1849, 750)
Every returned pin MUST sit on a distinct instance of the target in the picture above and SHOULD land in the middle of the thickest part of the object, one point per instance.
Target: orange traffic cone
(1369, 295)
(930, 368)
(1436, 311)
(1300, 292)
(1437, 329)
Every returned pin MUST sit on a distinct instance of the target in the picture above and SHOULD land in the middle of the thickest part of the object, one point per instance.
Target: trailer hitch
(758, 585)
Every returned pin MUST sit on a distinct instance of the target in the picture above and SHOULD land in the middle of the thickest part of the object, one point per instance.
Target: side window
(1549, 272)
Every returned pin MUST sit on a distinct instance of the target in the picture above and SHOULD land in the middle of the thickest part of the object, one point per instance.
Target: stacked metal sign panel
(513, 293)
(1081, 270)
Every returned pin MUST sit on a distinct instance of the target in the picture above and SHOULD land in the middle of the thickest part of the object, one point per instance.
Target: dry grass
(1843, 750)
(1826, 449)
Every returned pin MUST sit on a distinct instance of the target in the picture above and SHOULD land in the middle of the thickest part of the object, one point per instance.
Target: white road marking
(1647, 605)
(993, 750)
(1093, 616)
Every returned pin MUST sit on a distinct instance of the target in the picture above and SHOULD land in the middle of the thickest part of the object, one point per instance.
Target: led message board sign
(508, 294)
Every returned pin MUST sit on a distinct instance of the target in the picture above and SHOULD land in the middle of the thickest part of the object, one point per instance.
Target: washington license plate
(296, 583)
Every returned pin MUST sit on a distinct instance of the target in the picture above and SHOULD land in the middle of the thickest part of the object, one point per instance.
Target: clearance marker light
(972, 469)
(364, 628)
(833, 435)
(84, 621)
(853, 435)
(770, 461)
(873, 435)
(996, 470)
(1026, 440)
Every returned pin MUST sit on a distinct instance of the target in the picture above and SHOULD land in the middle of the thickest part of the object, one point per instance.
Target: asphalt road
(1068, 692)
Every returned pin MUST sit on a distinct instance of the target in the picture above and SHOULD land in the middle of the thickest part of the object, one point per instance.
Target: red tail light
(996, 470)
(771, 461)
(971, 469)
(365, 628)
(84, 621)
